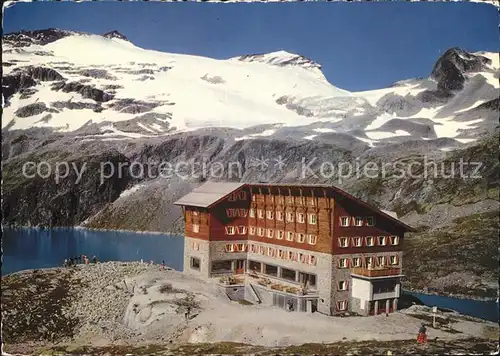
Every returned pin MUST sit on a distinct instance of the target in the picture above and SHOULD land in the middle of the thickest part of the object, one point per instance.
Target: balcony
(377, 272)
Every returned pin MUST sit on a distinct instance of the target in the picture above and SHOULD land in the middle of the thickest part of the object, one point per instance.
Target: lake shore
(126, 305)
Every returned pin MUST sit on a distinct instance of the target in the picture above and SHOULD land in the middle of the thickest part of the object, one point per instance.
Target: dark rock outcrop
(48, 202)
(115, 34)
(13, 83)
(71, 105)
(39, 37)
(33, 109)
(87, 91)
(132, 106)
(450, 68)
(43, 73)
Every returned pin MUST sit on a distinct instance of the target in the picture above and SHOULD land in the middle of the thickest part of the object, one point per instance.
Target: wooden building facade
(314, 242)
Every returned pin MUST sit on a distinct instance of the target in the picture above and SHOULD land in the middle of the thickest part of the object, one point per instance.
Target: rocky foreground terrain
(133, 308)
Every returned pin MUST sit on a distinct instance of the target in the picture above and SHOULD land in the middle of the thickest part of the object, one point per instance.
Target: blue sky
(361, 46)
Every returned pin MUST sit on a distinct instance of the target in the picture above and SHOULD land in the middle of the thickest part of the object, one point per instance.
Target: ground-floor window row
(283, 273)
(368, 262)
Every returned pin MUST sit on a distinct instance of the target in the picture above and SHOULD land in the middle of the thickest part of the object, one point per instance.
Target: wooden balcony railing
(376, 272)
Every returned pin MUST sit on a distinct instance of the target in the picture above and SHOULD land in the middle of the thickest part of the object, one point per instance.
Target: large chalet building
(305, 247)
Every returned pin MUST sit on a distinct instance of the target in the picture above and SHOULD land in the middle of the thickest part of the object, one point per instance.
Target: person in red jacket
(422, 337)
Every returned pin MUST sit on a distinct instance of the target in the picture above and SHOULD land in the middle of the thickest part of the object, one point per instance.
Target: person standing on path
(188, 311)
(422, 337)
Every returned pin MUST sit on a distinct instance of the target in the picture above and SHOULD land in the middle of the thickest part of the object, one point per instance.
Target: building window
(312, 260)
(394, 260)
(271, 270)
(252, 213)
(230, 230)
(370, 241)
(342, 285)
(253, 197)
(370, 220)
(311, 239)
(230, 213)
(312, 202)
(369, 262)
(356, 262)
(195, 212)
(195, 263)
(344, 221)
(242, 230)
(358, 221)
(300, 218)
(343, 263)
(289, 217)
(252, 230)
(344, 242)
(312, 219)
(260, 213)
(382, 240)
(289, 200)
(301, 238)
(384, 287)
(289, 236)
(288, 274)
(357, 241)
(222, 266)
(280, 235)
(229, 248)
(261, 231)
(395, 240)
(270, 233)
(381, 261)
(196, 228)
(254, 266)
(243, 213)
(279, 215)
(243, 195)
(270, 215)
(342, 305)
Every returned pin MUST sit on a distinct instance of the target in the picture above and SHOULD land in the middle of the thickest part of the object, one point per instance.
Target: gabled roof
(208, 194)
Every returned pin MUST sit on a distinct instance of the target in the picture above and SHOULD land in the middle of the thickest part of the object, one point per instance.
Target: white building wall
(361, 289)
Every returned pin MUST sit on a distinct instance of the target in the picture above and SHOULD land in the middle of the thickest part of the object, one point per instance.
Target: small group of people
(163, 266)
(73, 261)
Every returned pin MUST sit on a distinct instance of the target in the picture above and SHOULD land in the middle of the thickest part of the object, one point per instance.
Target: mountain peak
(115, 34)
(452, 67)
(280, 58)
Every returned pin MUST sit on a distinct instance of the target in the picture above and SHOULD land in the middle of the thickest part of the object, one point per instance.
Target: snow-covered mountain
(105, 88)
